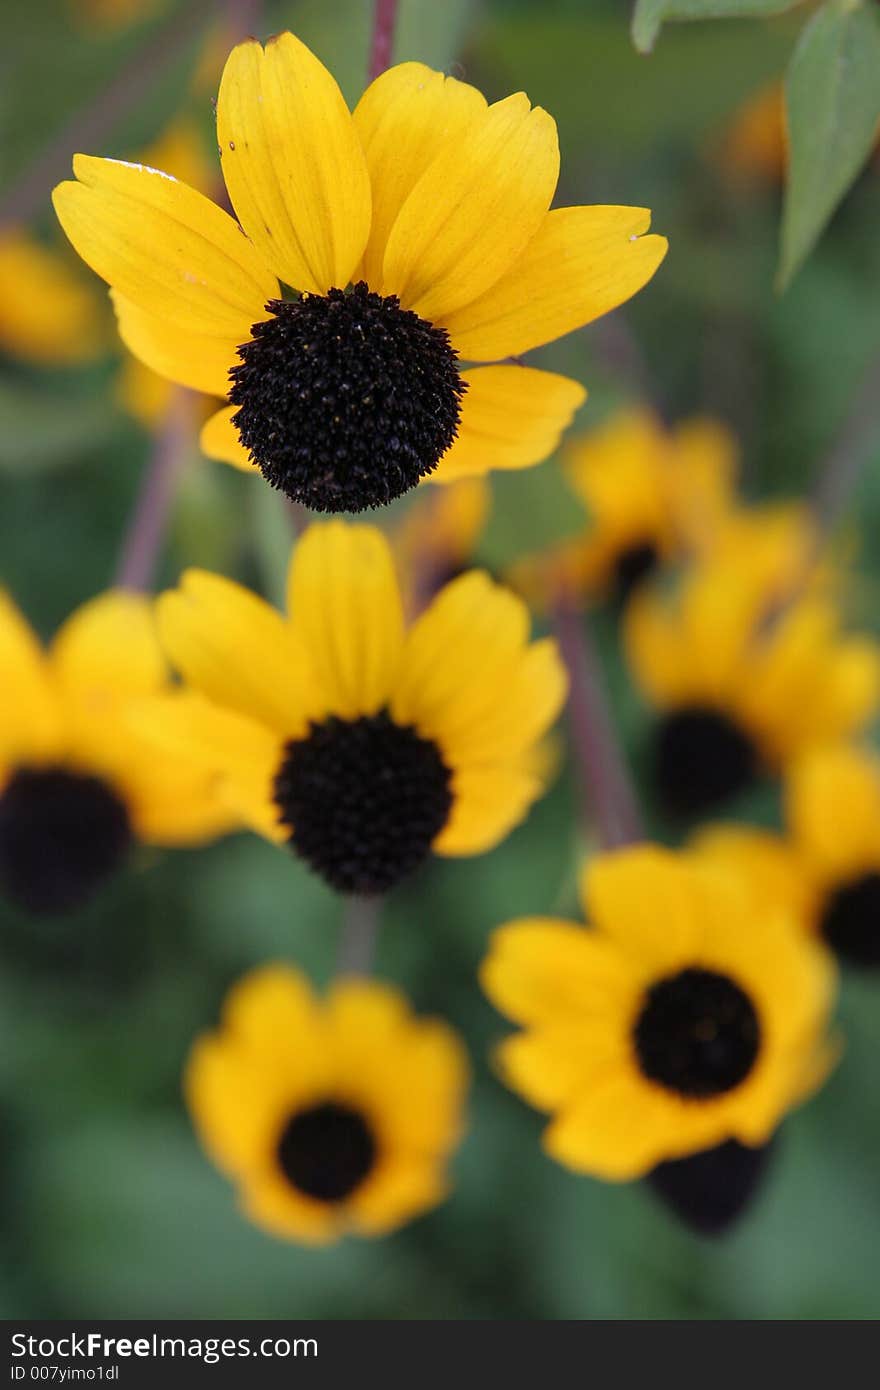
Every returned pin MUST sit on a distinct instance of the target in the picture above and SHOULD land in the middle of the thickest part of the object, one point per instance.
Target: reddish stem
(382, 44)
(608, 796)
(142, 542)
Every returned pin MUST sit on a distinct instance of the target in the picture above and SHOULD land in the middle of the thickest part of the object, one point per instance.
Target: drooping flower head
(372, 253)
(676, 1024)
(330, 1115)
(741, 687)
(363, 745)
(78, 786)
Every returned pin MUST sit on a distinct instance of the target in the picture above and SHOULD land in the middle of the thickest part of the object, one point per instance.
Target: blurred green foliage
(108, 1206)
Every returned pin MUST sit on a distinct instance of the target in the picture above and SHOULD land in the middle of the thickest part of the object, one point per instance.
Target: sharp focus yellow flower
(77, 785)
(741, 693)
(330, 1116)
(677, 1023)
(362, 744)
(48, 315)
(413, 233)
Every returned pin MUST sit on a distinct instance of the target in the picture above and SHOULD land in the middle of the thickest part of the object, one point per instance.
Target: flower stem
(360, 931)
(142, 542)
(88, 128)
(382, 43)
(607, 792)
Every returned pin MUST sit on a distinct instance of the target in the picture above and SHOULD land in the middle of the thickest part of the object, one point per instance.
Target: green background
(108, 1206)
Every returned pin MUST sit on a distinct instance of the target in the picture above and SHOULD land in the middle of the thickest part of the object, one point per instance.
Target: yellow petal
(293, 163)
(110, 648)
(544, 971)
(581, 263)
(404, 119)
(30, 723)
(168, 249)
(473, 210)
(534, 687)
(200, 361)
(236, 649)
(551, 1064)
(487, 803)
(50, 312)
(345, 604)
(458, 653)
(618, 1131)
(511, 417)
(647, 900)
(220, 440)
(833, 808)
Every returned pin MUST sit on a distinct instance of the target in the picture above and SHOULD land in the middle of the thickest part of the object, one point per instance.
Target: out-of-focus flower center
(701, 757)
(697, 1034)
(327, 1151)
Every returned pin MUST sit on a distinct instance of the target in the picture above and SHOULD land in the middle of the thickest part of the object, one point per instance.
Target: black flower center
(632, 567)
(61, 834)
(327, 1151)
(697, 1034)
(701, 757)
(346, 400)
(850, 921)
(364, 799)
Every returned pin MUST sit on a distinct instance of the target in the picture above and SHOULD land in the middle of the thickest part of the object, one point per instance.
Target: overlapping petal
(511, 417)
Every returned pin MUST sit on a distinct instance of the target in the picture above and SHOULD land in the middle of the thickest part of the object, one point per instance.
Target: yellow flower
(77, 785)
(48, 315)
(676, 1024)
(331, 1116)
(741, 692)
(363, 745)
(826, 868)
(756, 143)
(651, 495)
(411, 234)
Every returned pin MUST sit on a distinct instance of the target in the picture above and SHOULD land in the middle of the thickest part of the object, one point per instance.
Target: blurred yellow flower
(431, 205)
(755, 144)
(741, 686)
(435, 540)
(333, 1115)
(77, 784)
(48, 314)
(361, 744)
(676, 1023)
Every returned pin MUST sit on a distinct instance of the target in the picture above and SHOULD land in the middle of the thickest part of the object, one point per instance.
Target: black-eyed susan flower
(675, 1024)
(331, 1115)
(372, 253)
(78, 786)
(742, 687)
(361, 744)
(825, 869)
(656, 496)
(48, 313)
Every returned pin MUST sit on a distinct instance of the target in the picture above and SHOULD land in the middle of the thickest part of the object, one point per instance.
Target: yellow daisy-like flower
(826, 869)
(742, 690)
(677, 1023)
(330, 1116)
(363, 745)
(48, 315)
(411, 234)
(77, 784)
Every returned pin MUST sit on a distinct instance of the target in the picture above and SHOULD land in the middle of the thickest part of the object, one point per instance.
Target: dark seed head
(61, 834)
(345, 400)
(364, 799)
(701, 758)
(850, 921)
(631, 568)
(327, 1151)
(697, 1034)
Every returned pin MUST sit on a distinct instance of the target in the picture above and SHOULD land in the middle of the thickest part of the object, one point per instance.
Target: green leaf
(833, 104)
(649, 15)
